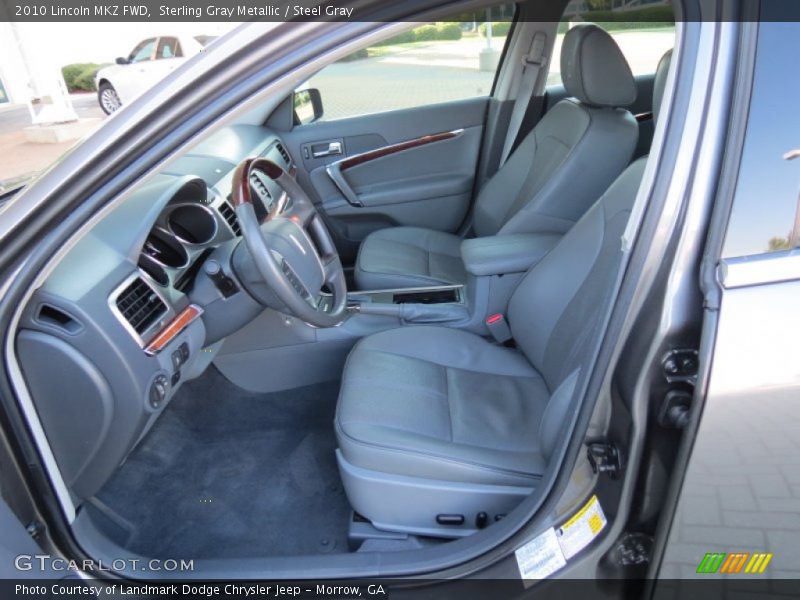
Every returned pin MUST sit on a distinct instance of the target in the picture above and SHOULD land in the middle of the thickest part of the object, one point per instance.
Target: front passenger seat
(561, 167)
(441, 431)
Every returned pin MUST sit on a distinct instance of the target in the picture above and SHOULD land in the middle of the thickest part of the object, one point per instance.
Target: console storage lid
(500, 254)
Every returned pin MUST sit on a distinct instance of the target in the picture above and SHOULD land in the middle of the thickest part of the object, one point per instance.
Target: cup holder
(432, 296)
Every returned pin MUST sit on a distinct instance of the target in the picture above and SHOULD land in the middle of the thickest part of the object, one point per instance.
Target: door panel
(407, 167)
(427, 185)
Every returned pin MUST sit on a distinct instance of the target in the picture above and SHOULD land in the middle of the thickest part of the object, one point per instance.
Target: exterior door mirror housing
(307, 106)
(122, 60)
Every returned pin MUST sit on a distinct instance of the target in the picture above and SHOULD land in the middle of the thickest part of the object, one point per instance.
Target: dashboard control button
(158, 391)
(180, 356)
(224, 284)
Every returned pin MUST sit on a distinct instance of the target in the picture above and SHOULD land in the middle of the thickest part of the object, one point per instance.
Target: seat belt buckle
(498, 327)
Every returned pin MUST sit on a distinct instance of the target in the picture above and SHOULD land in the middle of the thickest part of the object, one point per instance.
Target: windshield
(58, 84)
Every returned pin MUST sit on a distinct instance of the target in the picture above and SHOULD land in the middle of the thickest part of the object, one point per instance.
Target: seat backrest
(555, 312)
(575, 151)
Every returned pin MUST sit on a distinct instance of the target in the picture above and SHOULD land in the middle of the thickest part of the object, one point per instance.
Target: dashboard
(113, 333)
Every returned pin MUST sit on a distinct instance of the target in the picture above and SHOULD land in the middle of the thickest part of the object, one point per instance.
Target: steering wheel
(292, 249)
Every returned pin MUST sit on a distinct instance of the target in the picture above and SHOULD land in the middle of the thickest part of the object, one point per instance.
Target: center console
(506, 254)
(494, 266)
(441, 304)
(452, 294)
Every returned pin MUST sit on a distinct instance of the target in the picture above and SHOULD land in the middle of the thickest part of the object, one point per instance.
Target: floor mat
(230, 473)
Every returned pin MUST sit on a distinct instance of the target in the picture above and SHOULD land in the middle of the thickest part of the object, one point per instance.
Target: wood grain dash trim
(360, 159)
(185, 318)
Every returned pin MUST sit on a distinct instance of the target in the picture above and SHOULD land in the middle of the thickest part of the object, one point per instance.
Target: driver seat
(441, 431)
(560, 168)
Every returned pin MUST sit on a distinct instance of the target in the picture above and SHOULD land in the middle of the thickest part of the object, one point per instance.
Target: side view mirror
(307, 106)
(122, 61)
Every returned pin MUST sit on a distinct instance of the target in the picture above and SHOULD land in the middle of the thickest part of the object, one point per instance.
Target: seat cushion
(443, 404)
(402, 257)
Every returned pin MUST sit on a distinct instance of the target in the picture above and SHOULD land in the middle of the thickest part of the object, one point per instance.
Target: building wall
(12, 68)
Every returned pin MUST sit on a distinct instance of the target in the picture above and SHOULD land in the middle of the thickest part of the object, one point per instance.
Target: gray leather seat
(660, 81)
(559, 169)
(434, 421)
(403, 257)
(431, 408)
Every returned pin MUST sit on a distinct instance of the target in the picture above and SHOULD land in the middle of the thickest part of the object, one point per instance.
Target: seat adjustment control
(450, 519)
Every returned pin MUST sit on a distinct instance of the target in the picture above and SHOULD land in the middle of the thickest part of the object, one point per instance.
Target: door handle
(334, 171)
(333, 149)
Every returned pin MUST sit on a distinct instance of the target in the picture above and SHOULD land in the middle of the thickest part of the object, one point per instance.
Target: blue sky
(766, 195)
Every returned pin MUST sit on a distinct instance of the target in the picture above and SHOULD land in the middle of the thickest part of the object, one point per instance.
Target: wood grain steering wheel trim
(241, 178)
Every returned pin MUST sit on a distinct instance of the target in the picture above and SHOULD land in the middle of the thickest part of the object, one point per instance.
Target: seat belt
(533, 62)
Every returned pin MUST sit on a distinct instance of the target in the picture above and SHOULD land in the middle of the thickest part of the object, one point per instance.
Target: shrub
(357, 55)
(403, 38)
(448, 31)
(80, 77)
(641, 18)
(499, 28)
(426, 33)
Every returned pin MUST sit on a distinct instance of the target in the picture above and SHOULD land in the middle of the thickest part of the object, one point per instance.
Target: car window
(427, 64)
(765, 216)
(169, 47)
(144, 51)
(643, 33)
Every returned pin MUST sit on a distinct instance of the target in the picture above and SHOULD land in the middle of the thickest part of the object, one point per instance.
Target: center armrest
(500, 254)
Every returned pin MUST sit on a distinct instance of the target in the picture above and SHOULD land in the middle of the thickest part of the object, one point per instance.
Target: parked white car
(147, 63)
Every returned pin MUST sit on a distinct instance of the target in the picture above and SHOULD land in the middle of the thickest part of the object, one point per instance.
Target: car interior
(343, 336)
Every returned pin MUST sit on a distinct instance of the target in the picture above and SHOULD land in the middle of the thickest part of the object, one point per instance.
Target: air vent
(140, 306)
(148, 264)
(55, 317)
(282, 151)
(227, 212)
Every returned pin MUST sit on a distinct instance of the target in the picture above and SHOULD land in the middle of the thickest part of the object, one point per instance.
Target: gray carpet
(230, 473)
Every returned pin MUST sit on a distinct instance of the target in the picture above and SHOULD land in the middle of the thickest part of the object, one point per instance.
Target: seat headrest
(593, 68)
(659, 82)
